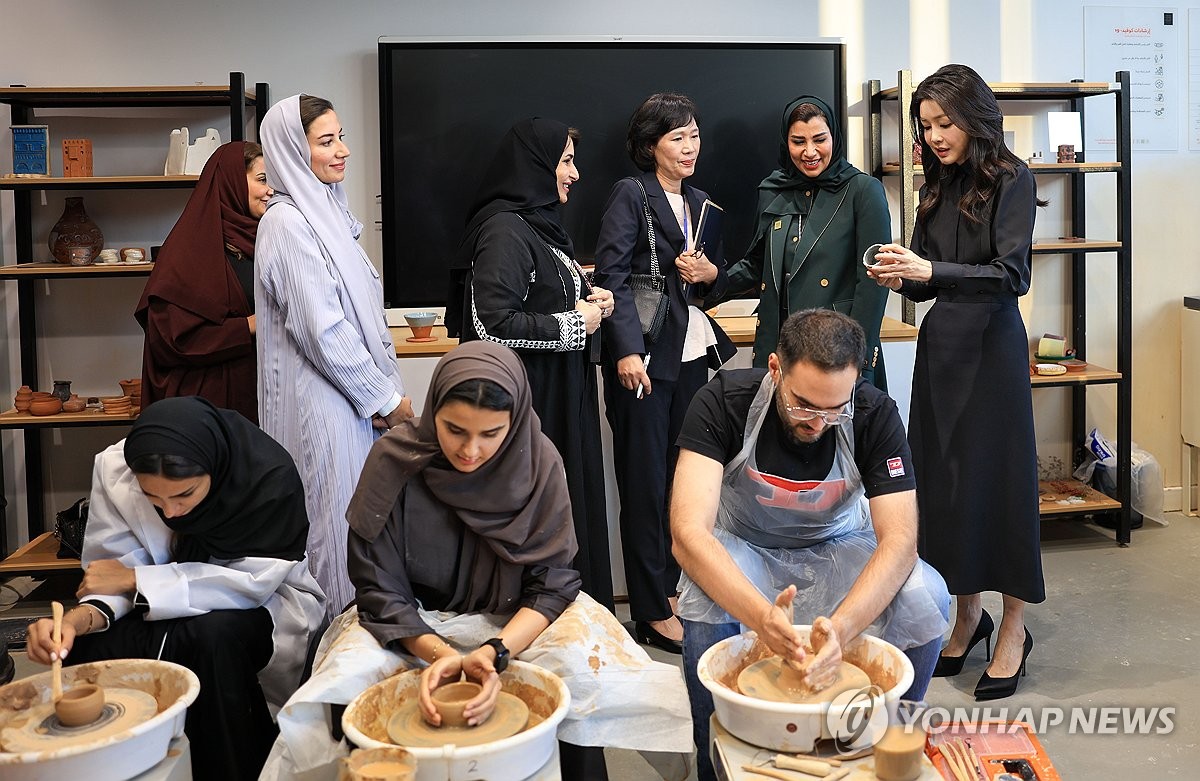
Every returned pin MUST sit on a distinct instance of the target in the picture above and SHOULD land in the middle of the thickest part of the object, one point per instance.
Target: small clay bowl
(51, 406)
(129, 387)
(1074, 365)
(80, 705)
(451, 698)
(74, 404)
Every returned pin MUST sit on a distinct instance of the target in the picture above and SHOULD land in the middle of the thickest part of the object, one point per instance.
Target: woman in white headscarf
(328, 382)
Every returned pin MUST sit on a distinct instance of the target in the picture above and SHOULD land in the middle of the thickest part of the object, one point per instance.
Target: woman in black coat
(523, 289)
(649, 383)
(971, 422)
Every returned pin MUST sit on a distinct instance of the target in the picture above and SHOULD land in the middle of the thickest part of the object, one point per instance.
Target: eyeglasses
(830, 417)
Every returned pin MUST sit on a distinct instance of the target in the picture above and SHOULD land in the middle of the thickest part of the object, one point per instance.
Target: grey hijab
(286, 153)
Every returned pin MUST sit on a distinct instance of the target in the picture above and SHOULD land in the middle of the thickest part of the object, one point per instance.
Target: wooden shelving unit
(23, 101)
(1074, 94)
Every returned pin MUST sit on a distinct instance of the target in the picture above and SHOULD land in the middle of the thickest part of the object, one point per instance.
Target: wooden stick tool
(56, 610)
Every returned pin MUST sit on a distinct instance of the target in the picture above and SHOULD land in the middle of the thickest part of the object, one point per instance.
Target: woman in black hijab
(522, 288)
(194, 554)
(818, 214)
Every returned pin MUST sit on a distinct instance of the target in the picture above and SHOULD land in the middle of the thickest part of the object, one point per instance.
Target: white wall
(330, 50)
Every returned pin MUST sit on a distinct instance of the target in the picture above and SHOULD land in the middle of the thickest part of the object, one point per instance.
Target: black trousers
(644, 454)
(229, 726)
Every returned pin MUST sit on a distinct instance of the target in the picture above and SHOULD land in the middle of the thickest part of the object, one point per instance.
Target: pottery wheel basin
(150, 698)
(787, 726)
(366, 719)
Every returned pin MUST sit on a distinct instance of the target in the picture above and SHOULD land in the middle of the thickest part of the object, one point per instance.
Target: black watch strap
(501, 650)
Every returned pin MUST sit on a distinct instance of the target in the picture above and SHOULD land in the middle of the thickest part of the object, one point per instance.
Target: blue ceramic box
(30, 150)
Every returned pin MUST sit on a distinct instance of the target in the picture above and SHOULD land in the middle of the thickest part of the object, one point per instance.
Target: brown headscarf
(192, 271)
(517, 502)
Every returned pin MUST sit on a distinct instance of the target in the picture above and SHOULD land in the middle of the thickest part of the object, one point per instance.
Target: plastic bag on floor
(1099, 469)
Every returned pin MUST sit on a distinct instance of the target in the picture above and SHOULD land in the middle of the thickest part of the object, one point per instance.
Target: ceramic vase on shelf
(74, 229)
(62, 389)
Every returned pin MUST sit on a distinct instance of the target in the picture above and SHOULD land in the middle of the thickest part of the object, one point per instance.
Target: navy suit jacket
(623, 248)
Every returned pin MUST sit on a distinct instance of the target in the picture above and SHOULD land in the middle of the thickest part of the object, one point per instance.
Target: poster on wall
(1194, 79)
(1143, 41)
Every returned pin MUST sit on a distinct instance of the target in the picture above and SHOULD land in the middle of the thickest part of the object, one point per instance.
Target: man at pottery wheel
(794, 502)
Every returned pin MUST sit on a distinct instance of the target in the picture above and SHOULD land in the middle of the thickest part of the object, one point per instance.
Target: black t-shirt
(716, 424)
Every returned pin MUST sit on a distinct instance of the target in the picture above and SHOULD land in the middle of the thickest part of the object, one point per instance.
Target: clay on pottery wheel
(407, 726)
(450, 700)
(80, 705)
(41, 730)
(761, 680)
(378, 764)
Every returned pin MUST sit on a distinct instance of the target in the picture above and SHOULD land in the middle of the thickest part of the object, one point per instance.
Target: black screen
(445, 105)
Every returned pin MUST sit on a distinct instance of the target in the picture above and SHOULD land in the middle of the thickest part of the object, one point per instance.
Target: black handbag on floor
(650, 290)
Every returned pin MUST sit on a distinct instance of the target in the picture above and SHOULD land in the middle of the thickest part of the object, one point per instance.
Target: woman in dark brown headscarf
(460, 551)
(198, 306)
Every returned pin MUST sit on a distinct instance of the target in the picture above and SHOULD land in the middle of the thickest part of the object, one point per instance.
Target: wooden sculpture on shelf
(77, 157)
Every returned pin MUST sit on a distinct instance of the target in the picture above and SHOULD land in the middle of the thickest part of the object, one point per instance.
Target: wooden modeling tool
(56, 610)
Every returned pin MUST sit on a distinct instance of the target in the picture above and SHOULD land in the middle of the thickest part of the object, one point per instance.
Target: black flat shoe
(952, 665)
(990, 688)
(648, 635)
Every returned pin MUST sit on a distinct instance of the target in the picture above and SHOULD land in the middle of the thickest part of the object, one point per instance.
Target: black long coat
(971, 420)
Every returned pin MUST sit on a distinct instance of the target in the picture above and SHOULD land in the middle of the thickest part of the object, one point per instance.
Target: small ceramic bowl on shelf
(131, 386)
(1073, 365)
(421, 324)
(1049, 369)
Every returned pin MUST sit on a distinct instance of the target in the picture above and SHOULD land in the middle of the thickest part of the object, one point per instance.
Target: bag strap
(649, 226)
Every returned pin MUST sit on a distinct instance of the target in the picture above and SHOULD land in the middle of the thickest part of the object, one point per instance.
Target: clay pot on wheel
(451, 699)
(80, 705)
(48, 406)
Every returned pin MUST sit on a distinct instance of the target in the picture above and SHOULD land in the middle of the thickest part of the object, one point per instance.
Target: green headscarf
(787, 178)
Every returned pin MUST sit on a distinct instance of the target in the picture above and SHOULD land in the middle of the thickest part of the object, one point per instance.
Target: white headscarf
(288, 160)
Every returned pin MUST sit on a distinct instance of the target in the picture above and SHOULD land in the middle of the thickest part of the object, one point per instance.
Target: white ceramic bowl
(522, 755)
(116, 757)
(785, 726)
(418, 319)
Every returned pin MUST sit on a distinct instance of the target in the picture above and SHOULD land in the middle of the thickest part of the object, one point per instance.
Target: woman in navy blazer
(649, 384)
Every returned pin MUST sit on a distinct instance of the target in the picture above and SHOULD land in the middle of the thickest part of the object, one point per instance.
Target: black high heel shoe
(952, 665)
(648, 635)
(990, 688)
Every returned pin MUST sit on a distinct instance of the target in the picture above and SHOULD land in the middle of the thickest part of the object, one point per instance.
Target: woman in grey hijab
(328, 382)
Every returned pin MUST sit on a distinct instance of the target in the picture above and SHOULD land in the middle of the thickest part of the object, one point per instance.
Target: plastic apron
(816, 534)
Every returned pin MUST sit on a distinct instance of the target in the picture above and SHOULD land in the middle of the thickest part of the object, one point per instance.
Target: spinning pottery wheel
(407, 727)
(146, 702)
(789, 726)
(368, 718)
(766, 680)
(41, 730)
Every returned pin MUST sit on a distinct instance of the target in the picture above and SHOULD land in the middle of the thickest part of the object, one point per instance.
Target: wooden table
(739, 329)
(37, 557)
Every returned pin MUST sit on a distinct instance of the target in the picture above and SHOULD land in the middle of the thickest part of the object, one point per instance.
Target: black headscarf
(522, 178)
(836, 174)
(255, 503)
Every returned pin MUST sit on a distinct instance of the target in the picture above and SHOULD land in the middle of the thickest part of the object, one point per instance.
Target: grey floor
(1120, 628)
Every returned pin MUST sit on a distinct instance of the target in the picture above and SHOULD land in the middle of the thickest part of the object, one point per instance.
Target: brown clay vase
(74, 229)
(131, 387)
(74, 404)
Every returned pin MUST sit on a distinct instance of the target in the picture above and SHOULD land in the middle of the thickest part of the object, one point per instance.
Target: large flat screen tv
(444, 104)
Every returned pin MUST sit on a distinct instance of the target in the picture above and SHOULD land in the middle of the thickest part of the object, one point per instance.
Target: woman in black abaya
(522, 288)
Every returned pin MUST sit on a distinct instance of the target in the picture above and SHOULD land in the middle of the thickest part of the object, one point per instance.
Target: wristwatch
(498, 646)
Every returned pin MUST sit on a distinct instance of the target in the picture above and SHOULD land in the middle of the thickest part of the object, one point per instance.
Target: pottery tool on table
(794, 775)
(56, 610)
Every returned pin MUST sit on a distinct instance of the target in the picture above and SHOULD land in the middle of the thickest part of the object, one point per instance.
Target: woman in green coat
(818, 214)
